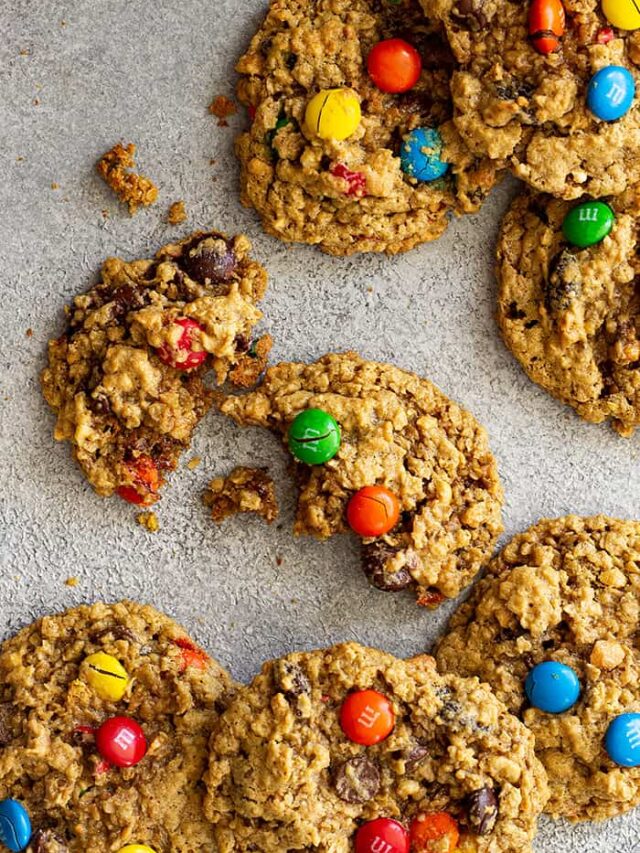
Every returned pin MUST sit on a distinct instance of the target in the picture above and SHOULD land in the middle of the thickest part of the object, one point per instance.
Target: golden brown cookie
(566, 590)
(530, 108)
(126, 377)
(243, 490)
(284, 774)
(571, 316)
(50, 707)
(349, 196)
(398, 431)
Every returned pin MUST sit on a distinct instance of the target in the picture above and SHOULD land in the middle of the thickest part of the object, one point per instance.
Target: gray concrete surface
(74, 78)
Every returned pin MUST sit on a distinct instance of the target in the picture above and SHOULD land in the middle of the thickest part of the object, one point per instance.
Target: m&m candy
(421, 155)
(333, 114)
(314, 437)
(136, 848)
(121, 741)
(394, 65)
(588, 223)
(182, 351)
(367, 717)
(382, 834)
(15, 825)
(146, 481)
(552, 687)
(623, 14)
(611, 92)
(546, 25)
(106, 675)
(373, 511)
(622, 740)
(437, 832)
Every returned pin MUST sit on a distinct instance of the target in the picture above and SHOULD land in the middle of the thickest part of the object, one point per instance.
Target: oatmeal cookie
(243, 490)
(571, 315)
(513, 102)
(566, 590)
(116, 170)
(50, 706)
(126, 378)
(349, 196)
(298, 763)
(400, 432)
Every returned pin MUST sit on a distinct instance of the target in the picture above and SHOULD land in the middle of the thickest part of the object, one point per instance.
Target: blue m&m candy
(15, 825)
(552, 687)
(622, 740)
(611, 92)
(421, 155)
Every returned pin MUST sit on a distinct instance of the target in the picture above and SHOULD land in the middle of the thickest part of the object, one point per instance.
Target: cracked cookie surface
(567, 590)
(401, 432)
(284, 776)
(514, 103)
(572, 316)
(349, 196)
(115, 379)
(48, 759)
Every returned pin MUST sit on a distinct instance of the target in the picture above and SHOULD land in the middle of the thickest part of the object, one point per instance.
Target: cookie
(243, 490)
(116, 170)
(63, 681)
(544, 112)
(322, 743)
(383, 427)
(352, 195)
(570, 315)
(126, 378)
(567, 590)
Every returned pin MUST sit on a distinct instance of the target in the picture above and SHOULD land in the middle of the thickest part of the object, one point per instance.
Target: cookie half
(513, 102)
(125, 379)
(571, 315)
(398, 431)
(349, 196)
(50, 704)
(285, 775)
(567, 590)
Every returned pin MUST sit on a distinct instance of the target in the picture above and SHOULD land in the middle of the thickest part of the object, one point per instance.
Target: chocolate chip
(375, 556)
(470, 14)
(291, 679)
(482, 810)
(564, 282)
(291, 61)
(117, 632)
(415, 757)
(357, 780)
(211, 260)
(47, 841)
(127, 298)
(514, 90)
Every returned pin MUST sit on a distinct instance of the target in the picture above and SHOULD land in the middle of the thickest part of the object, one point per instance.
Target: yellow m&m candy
(106, 675)
(624, 14)
(136, 848)
(333, 114)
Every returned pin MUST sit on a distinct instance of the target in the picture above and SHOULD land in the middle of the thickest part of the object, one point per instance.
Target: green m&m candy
(314, 437)
(588, 223)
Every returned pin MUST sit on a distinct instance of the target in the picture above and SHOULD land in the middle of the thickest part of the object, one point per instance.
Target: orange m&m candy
(146, 479)
(434, 833)
(546, 25)
(373, 511)
(367, 717)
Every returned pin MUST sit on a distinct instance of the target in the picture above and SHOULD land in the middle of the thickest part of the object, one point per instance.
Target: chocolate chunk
(127, 298)
(415, 756)
(482, 810)
(470, 14)
(210, 261)
(375, 556)
(564, 282)
(291, 679)
(357, 780)
(47, 841)
(117, 632)
(514, 90)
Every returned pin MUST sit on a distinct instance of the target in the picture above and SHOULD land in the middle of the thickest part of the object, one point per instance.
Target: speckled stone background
(75, 77)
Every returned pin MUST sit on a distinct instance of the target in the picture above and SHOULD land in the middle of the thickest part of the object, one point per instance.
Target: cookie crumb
(55, 186)
(252, 365)
(177, 213)
(279, 560)
(243, 490)
(132, 189)
(148, 520)
(29, 333)
(192, 464)
(222, 107)
(73, 581)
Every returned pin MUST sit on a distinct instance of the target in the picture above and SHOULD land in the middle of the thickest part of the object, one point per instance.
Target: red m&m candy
(394, 66)
(146, 481)
(121, 741)
(434, 833)
(373, 511)
(182, 354)
(382, 834)
(546, 25)
(367, 717)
